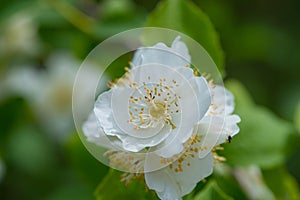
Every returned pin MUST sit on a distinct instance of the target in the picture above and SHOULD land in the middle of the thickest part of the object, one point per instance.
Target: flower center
(157, 110)
(154, 103)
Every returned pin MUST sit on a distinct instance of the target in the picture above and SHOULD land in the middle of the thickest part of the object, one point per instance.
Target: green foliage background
(255, 45)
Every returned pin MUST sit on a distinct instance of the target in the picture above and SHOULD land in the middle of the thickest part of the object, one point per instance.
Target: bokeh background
(43, 42)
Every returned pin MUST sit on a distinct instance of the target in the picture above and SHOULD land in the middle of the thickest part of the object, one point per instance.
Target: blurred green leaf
(112, 188)
(117, 16)
(283, 185)
(117, 8)
(224, 177)
(9, 8)
(29, 151)
(12, 111)
(185, 17)
(70, 189)
(263, 137)
(242, 45)
(225, 180)
(293, 164)
(88, 167)
(297, 118)
(211, 192)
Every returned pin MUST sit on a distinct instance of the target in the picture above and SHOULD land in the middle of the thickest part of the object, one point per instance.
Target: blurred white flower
(19, 35)
(49, 91)
(159, 117)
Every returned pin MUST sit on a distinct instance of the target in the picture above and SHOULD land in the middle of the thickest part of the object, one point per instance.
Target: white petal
(94, 133)
(215, 130)
(171, 146)
(169, 184)
(203, 96)
(191, 175)
(223, 101)
(136, 144)
(161, 71)
(187, 72)
(196, 100)
(175, 56)
(103, 112)
(180, 48)
(169, 194)
(162, 181)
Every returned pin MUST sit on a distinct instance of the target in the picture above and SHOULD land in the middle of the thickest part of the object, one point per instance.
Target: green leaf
(186, 17)
(263, 137)
(282, 183)
(211, 192)
(112, 188)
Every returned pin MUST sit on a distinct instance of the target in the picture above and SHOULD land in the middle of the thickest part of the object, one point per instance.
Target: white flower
(159, 117)
(156, 104)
